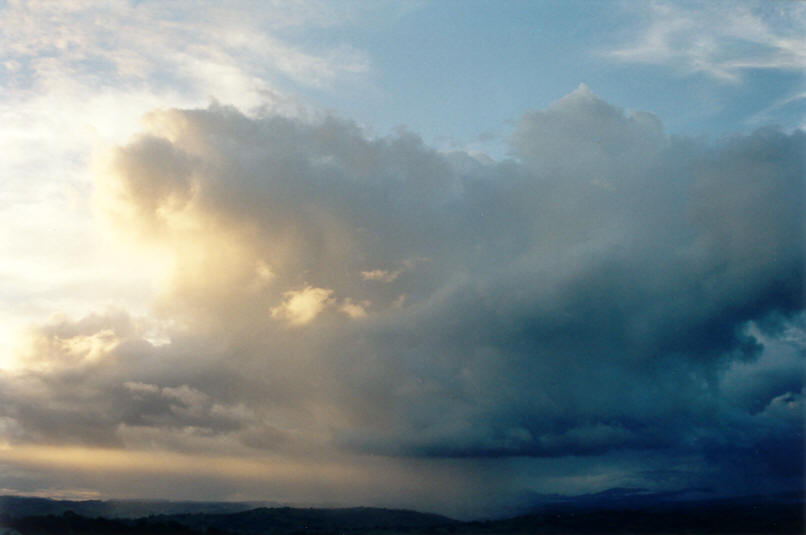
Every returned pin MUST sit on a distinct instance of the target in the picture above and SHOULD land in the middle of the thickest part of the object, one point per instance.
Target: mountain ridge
(612, 511)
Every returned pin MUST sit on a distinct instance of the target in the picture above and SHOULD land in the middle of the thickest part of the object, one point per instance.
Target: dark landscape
(613, 511)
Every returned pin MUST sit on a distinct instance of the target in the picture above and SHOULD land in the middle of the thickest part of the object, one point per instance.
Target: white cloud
(353, 309)
(302, 306)
(719, 39)
(153, 43)
(382, 275)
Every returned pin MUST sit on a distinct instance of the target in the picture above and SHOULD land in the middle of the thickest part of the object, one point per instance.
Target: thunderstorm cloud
(606, 291)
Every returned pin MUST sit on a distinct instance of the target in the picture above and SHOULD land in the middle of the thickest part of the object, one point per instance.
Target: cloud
(93, 68)
(141, 388)
(355, 310)
(49, 43)
(721, 40)
(302, 306)
(607, 296)
(380, 275)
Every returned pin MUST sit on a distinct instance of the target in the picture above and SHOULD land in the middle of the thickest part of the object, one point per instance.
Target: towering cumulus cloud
(618, 301)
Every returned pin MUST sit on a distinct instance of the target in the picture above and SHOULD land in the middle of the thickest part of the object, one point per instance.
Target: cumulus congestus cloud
(608, 288)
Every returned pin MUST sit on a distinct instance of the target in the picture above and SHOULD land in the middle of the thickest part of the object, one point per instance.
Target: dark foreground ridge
(782, 513)
(26, 506)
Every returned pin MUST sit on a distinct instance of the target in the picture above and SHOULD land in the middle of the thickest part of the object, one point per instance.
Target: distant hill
(690, 518)
(287, 520)
(639, 498)
(72, 524)
(617, 511)
(261, 521)
(18, 506)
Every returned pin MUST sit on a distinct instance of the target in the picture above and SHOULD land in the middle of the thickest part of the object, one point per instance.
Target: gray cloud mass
(607, 289)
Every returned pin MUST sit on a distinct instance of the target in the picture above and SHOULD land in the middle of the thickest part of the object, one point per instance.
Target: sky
(437, 255)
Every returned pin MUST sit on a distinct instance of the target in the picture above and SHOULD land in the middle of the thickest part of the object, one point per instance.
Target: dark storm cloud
(607, 289)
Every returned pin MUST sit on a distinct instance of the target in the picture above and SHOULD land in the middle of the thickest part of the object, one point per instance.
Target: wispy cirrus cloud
(721, 40)
(228, 52)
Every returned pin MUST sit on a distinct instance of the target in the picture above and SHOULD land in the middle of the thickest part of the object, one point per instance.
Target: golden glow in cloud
(302, 306)
(355, 310)
(77, 77)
